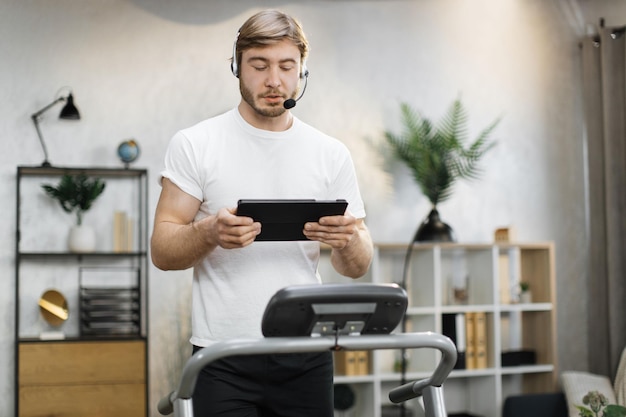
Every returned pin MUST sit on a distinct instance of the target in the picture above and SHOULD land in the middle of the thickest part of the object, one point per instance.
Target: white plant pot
(526, 297)
(82, 239)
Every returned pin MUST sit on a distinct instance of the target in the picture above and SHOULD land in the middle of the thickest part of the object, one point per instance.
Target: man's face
(268, 76)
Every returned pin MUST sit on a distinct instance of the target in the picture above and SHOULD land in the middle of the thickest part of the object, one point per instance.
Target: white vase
(526, 297)
(82, 239)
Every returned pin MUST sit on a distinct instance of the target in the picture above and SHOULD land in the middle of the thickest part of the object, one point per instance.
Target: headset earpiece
(234, 65)
(304, 72)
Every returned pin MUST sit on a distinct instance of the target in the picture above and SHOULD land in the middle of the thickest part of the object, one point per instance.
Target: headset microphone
(291, 103)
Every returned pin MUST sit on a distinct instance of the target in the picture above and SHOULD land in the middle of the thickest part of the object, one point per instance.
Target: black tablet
(283, 220)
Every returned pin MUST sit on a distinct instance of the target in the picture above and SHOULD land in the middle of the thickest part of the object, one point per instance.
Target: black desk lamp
(68, 112)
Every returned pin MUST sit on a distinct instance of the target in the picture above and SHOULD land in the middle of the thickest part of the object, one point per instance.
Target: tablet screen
(283, 220)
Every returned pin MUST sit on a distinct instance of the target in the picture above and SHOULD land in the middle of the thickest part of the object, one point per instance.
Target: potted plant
(438, 158)
(76, 194)
(525, 296)
(597, 404)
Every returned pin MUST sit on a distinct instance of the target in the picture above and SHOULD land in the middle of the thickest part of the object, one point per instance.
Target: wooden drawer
(119, 400)
(89, 362)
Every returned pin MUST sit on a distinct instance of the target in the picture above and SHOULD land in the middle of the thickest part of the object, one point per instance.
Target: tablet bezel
(284, 219)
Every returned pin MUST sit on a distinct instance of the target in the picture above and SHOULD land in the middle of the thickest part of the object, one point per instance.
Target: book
(123, 227)
(346, 362)
(480, 339)
(119, 231)
(362, 362)
(453, 326)
(470, 341)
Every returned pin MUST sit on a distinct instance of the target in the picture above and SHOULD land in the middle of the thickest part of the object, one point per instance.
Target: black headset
(234, 65)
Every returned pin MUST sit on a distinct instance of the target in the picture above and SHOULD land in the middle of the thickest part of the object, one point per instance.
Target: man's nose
(273, 78)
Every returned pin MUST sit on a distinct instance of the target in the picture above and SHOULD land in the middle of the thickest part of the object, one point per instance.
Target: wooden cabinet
(74, 379)
(88, 366)
(486, 278)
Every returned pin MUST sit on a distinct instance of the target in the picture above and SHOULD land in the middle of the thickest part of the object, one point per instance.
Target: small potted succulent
(76, 194)
(525, 296)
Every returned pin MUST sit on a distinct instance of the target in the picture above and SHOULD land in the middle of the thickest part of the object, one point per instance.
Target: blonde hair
(269, 27)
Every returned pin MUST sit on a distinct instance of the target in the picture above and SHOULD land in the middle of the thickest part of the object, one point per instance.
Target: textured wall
(144, 69)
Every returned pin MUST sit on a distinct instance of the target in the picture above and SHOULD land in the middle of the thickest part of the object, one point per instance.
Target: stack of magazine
(109, 311)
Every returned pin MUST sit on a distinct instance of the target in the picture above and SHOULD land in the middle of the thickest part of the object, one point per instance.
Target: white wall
(144, 69)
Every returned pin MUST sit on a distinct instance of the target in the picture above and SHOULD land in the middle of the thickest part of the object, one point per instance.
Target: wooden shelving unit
(79, 374)
(492, 274)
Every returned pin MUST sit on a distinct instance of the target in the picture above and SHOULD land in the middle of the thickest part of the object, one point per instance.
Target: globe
(128, 151)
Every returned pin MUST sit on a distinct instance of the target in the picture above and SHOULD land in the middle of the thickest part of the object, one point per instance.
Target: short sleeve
(181, 166)
(346, 186)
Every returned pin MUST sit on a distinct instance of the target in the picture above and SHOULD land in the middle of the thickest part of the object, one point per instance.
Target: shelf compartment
(363, 395)
(537, 380)
(467, 276)
(529, 330)
(473, 395)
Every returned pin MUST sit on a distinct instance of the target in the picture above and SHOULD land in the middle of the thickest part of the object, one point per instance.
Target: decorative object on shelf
(123, 231)
(81, 239)
(344, 397)
(518, 357)
(77, 193)
(352, 362)
(54, 310)
(504, 235)
(459, 279)
(68, 112)
(525, 295)
(437, 157)
(109, 301)
(597, 404)
(128, 151)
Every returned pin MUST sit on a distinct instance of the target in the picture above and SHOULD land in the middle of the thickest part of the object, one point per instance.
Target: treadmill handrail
(272, 345)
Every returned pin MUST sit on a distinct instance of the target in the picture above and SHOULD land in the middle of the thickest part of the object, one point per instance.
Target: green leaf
(437, 155)
(584, 411)
(614, 410)
(76, 193)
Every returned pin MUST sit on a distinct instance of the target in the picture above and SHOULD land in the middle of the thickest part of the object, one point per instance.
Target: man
(257, 150)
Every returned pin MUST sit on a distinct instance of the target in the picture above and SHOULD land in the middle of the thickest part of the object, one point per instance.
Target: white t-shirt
(224, 159)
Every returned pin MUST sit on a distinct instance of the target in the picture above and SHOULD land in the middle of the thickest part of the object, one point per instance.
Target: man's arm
(350, 240)
(179, 243)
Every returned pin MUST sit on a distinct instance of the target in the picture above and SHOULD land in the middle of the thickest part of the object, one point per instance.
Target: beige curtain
(604, 84)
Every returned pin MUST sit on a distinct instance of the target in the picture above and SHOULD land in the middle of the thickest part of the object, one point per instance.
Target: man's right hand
(178, 242)
(230, 231)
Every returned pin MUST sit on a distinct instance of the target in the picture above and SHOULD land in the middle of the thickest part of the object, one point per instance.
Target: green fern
(437, 155)
(76, 193)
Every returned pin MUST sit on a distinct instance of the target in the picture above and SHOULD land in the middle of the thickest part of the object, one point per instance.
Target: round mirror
(53, 307)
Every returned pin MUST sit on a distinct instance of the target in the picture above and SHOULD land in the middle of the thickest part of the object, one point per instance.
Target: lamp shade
(69, 111)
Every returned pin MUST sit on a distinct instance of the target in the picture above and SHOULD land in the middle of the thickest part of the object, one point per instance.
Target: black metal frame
(141, 255)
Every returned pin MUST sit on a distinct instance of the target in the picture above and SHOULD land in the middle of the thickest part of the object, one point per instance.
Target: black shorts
(278, 385)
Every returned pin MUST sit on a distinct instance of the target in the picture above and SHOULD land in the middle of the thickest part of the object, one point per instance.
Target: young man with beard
(257, 150)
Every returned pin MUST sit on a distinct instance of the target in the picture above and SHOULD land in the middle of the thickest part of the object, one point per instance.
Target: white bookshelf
(492, 271)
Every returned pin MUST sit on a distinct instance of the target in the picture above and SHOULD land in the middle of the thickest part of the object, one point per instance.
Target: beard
(274, 110)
